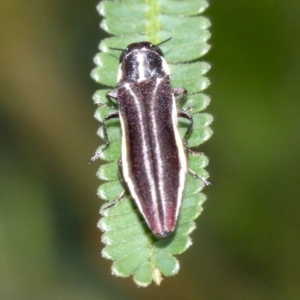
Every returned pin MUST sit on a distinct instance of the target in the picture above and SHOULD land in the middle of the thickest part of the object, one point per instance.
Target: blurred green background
(247, 242)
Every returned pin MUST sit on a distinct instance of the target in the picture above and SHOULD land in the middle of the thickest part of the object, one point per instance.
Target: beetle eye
(158, 50)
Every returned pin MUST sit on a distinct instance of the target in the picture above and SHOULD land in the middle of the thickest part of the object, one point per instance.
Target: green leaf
(187, 8)
(127, 239)
(166, 263)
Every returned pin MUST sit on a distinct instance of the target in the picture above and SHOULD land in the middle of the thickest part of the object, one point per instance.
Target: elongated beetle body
(153, 158)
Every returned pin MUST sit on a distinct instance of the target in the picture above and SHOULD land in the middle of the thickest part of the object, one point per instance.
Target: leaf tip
(204, 84)
(176, 268)
(102, 225)
(116, 272)
(105, 254)
(101, 194)
(95, 75)
(104, 26)
(101, 8)
(203, 7)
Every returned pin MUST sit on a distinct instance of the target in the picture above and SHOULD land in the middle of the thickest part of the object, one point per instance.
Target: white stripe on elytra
(145, 154)
(182, 156)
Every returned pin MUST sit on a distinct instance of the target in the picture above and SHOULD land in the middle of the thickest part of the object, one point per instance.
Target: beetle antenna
(119, 49)
(164, 41)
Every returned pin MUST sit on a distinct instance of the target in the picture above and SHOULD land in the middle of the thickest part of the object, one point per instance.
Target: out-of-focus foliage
(247, 243)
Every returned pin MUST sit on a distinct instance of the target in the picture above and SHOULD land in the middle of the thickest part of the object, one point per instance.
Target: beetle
(153, 154)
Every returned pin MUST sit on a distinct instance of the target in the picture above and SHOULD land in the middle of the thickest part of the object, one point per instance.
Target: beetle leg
(113, 98)
(109, 116)
(113, 203)
(189, 117)
(181, 93)
(195, 175)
